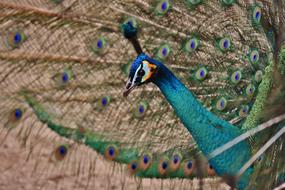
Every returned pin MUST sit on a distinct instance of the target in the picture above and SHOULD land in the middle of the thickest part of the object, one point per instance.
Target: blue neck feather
(208, 130)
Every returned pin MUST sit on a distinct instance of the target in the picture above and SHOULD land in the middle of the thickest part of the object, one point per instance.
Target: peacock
(170, 90)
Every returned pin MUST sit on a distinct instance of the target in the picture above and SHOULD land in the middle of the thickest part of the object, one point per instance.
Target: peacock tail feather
(64, 64)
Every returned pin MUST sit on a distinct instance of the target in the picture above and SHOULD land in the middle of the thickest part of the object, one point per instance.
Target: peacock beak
(129, 87)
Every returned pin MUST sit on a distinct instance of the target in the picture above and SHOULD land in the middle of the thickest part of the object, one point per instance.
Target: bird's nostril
(128, 85)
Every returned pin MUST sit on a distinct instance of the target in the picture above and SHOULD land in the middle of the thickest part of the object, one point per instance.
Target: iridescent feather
(64, 64)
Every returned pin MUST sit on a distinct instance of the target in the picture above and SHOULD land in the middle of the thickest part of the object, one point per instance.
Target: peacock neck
(208, 130)
(197, 119)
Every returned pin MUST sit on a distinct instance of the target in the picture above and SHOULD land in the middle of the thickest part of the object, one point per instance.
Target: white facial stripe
(135, 76)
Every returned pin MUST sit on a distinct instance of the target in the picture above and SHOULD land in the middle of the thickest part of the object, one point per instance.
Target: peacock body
(64, 64)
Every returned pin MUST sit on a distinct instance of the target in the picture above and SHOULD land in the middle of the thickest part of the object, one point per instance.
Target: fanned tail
(63, 66)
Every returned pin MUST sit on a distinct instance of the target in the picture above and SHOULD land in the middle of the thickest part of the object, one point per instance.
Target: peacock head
(142, 71)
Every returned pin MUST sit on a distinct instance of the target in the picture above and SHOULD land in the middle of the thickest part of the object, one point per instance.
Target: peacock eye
(98, 45)
(201, 73)
(141, 73)
(163, 165)
(133, 166)
(64, 77)
(162, 7)
(225, 44)
(104, 102)
(140, 110)
(61, 152)
(111, 152)
(256, 15)
(243, 110)
(175, 161)
(221, 104)
(145, 161)
(236, 77)
(254, 56)
(15, 39)
(191, 45)
(188, 167)
(18, 113)
(163, 51)
(250, 89)
(258, 76)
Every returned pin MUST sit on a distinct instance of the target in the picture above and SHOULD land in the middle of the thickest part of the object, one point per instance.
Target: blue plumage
(208, 130)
